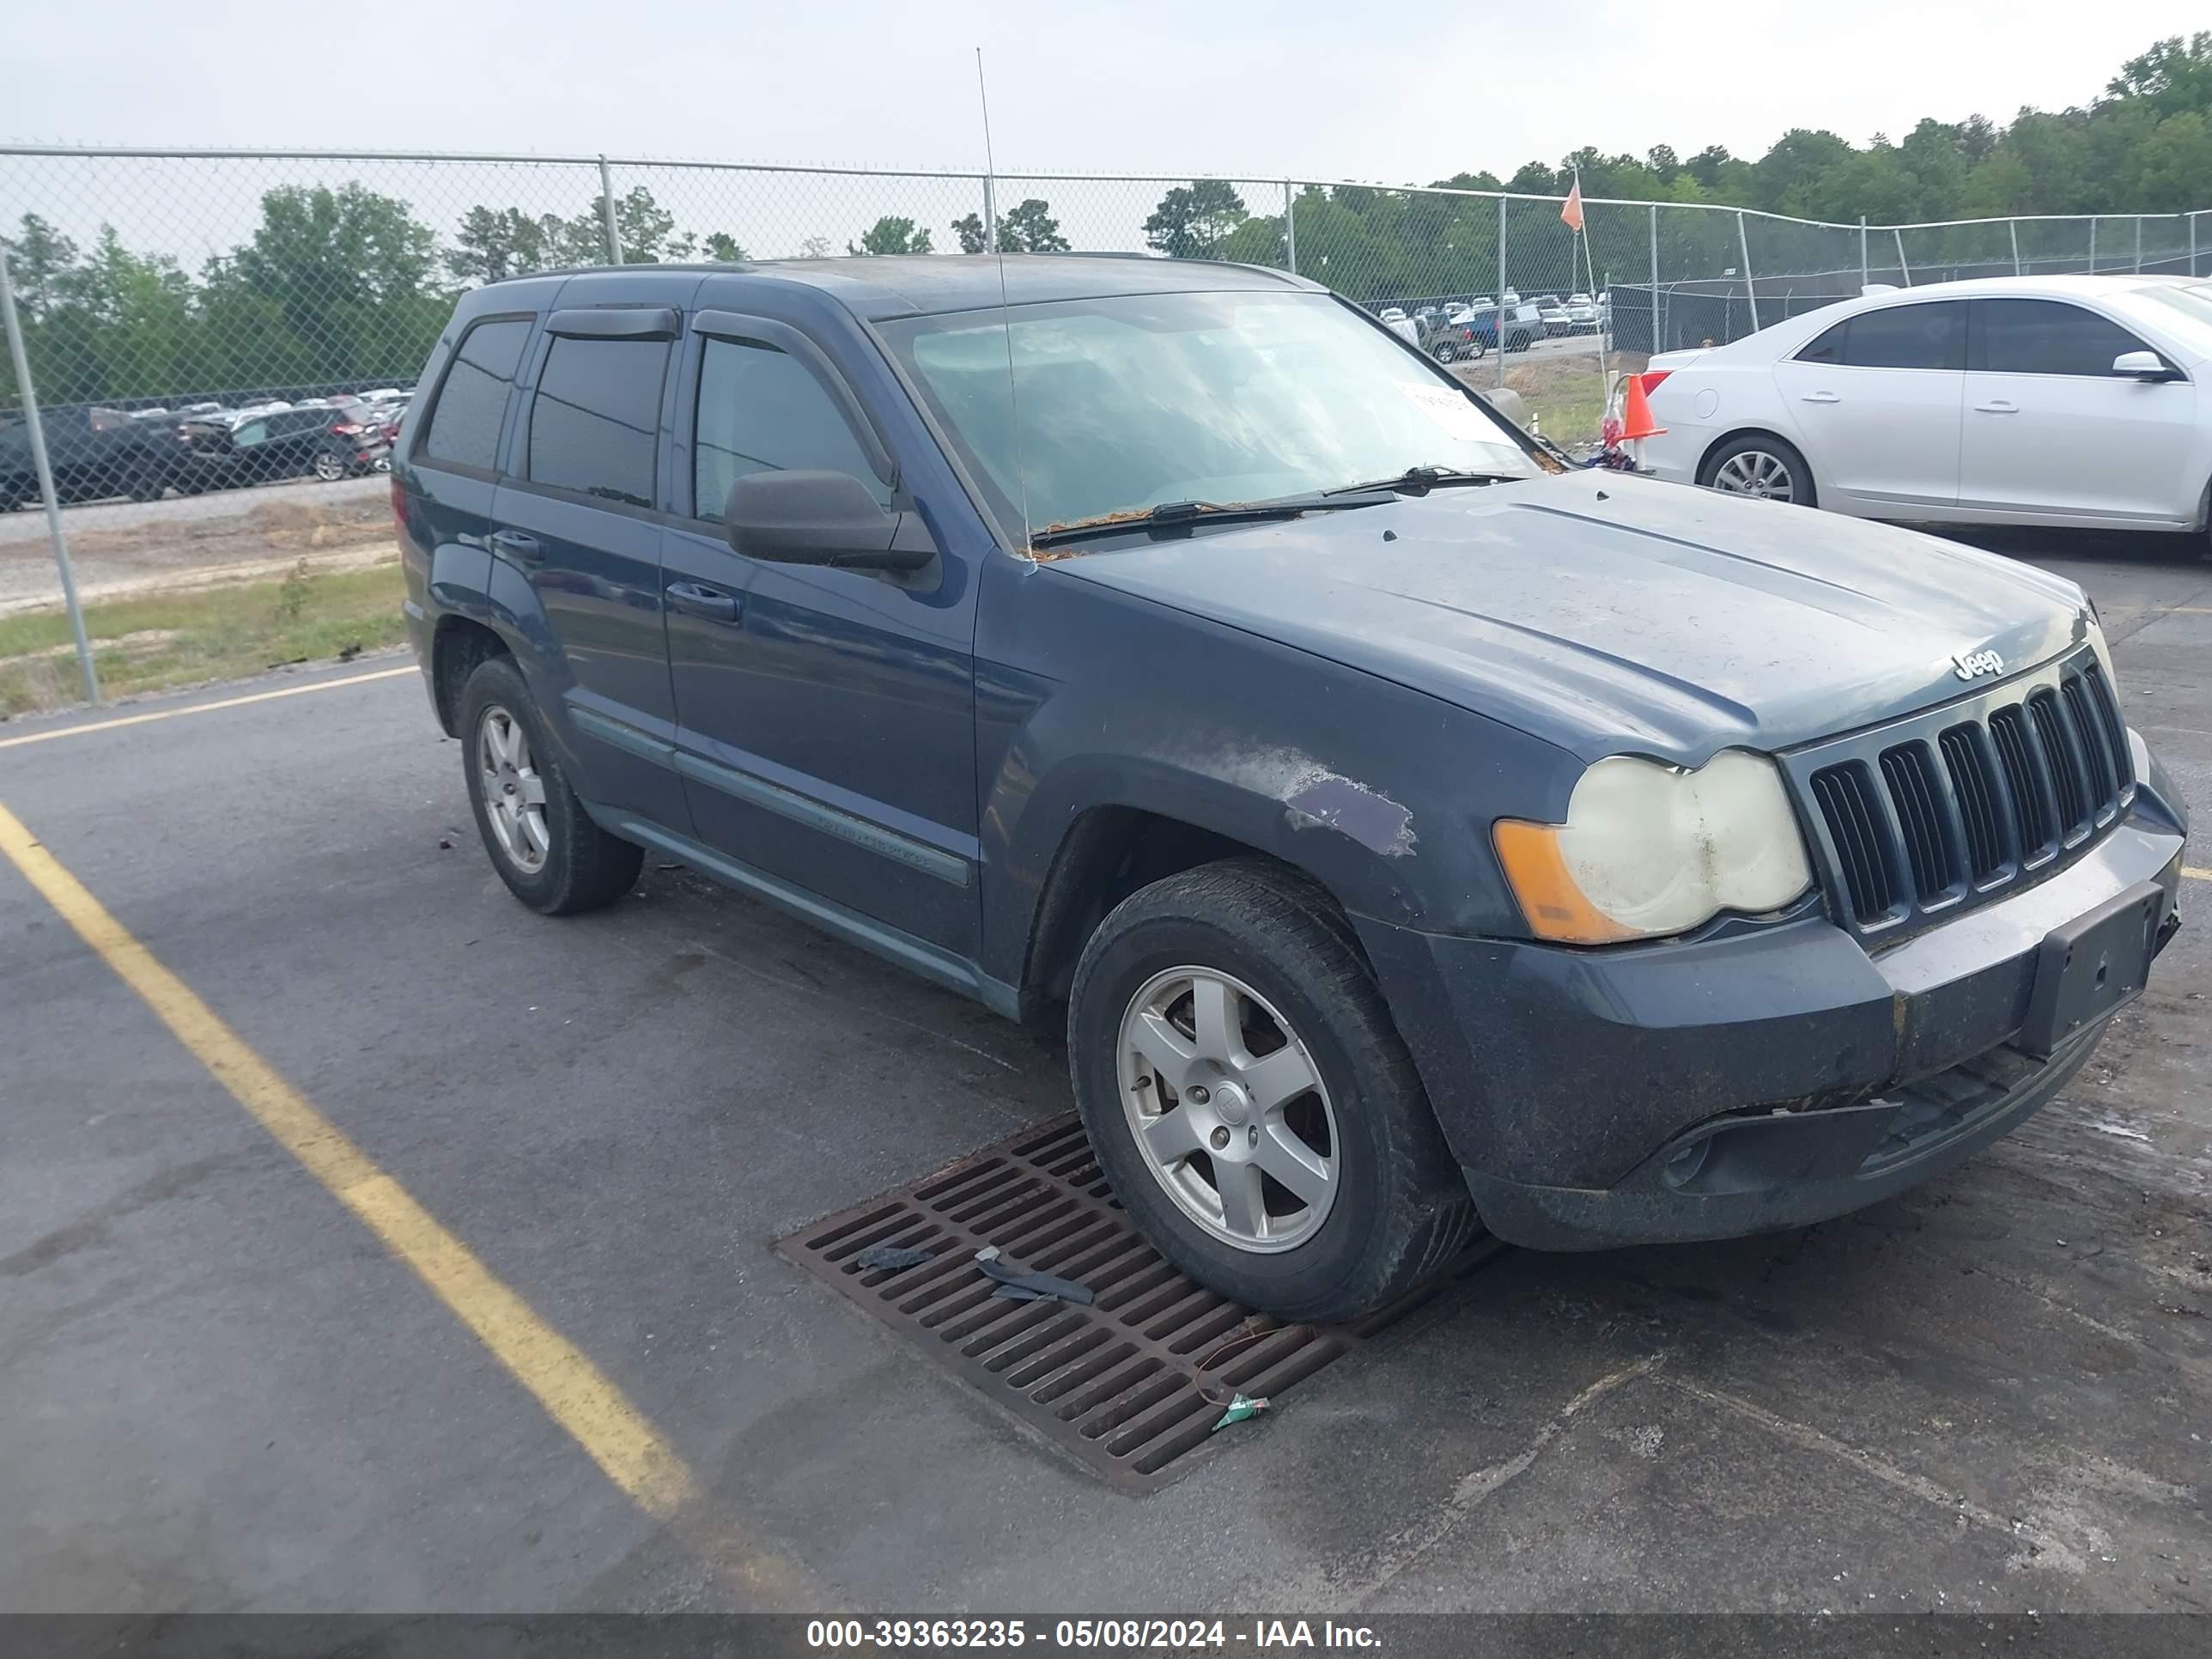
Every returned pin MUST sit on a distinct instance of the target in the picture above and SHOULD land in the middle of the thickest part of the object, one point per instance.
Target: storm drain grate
(1130, 1386)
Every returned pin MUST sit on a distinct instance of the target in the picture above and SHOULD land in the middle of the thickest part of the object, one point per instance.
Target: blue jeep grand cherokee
(1412, 833)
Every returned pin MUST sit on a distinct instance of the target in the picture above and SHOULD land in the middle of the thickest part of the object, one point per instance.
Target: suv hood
(1609, 614)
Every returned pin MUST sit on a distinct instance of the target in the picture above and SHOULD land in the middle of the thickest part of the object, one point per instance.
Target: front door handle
(1998, 407)
(695, 600)
(1823, 397)
(524, 550)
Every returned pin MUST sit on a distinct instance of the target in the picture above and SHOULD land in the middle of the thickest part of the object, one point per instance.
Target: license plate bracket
(2092, 965)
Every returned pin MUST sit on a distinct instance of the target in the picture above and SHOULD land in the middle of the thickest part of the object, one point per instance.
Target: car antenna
(1005, 311)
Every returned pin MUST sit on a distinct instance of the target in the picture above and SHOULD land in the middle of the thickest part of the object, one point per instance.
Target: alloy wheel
(1228, 1110)
(1756, 472)
(513, 793)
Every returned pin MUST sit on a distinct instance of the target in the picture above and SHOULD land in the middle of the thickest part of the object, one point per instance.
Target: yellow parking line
(90, 727)
(2197, 875)
(575, 1394)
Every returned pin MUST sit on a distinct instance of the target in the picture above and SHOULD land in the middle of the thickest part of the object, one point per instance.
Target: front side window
(760, 410)
(464, 424)
(1931, 336)
(1127, 403)
(2048, 336)
(594, 423)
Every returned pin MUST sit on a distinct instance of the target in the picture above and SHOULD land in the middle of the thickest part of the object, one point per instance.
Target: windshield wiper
(1170, 516)
(1420, 480)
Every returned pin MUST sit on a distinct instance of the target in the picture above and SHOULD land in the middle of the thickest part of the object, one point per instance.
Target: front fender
(1383, 795)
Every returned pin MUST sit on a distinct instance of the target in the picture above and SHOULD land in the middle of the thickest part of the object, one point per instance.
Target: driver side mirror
(2143, 366)
(804, 517)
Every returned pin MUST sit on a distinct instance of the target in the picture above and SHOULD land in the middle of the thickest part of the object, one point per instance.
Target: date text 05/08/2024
(1129, 1634)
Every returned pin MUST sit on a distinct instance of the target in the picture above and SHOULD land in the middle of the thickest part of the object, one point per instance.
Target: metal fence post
(36, 434)
(2139, 243)
(1656, 346)
(1497, 317)
(607, 213)
(2192, 241)
(1901, 266)
(1750, 293)
(1864, 279)
(2092, 244)
(1291, 225)
(2012, 225)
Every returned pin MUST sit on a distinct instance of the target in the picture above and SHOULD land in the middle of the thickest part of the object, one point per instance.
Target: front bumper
(1745, 1082)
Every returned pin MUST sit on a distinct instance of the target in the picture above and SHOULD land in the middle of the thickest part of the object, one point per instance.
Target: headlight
(1649, 850)
(2102, 647)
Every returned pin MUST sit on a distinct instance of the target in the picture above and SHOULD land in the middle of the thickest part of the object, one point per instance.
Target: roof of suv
(897, 285)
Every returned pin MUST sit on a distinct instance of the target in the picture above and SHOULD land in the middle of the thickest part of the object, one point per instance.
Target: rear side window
(2048, 336)
(594, 421)
(1931, 336)
(463, 426)
(1829, 347)
(760, 410)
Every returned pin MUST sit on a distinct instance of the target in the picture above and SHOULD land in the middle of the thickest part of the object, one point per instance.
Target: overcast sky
(1306, 88)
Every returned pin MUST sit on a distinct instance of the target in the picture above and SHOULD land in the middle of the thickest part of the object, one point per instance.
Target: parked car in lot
(1523, 327)
(1396, 821)
(94, 453)
(2082, 401)
(1551, 311)
(1448, 341)
(1583, 316)
(329, 442)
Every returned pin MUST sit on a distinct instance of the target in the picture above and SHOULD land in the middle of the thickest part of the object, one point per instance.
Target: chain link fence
(223, 344)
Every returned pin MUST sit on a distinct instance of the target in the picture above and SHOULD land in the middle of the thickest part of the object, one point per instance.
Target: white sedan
(2082, 401)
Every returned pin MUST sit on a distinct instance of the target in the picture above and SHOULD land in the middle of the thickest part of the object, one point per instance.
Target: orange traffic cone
(1636, 420)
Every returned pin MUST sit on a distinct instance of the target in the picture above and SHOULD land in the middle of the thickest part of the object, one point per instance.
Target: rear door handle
(1998, 407)
(695, 600)
(524, 549)
(1823, 397)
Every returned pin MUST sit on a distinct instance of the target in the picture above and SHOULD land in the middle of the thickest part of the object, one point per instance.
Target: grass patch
(153, 640)
(1562, 390)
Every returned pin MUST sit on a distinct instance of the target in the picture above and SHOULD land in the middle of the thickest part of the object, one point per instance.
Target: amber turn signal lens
(1554, 906)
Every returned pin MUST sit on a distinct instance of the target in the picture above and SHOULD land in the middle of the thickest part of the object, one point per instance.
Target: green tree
(1028, 228)
(40, 258)
(493, 244)
(891, 235)
(646, 230)
(721, 246)
(1192, 221)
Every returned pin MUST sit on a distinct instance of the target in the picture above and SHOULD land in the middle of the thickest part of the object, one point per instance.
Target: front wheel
(1765, 468)
(1251, 1102)
(542, 843)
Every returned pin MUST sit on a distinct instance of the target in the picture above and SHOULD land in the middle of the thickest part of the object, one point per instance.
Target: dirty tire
(1402, 1209)
(586, 868)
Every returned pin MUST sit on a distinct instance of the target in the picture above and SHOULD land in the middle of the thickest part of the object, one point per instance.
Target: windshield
(1128, 402)
(2185, 305)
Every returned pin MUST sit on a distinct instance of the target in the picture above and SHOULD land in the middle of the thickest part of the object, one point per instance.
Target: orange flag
(1572, 213)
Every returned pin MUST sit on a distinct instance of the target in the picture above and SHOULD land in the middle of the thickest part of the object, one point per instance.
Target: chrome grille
(1963, 803)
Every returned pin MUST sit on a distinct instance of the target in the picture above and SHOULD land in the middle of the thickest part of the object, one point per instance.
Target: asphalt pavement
(253, 1351)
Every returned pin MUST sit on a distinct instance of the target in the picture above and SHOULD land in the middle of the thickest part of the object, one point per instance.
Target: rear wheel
(1760, 467)
(1251, 1102)
(329, 465)
(1444, 351)
(542, 843)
